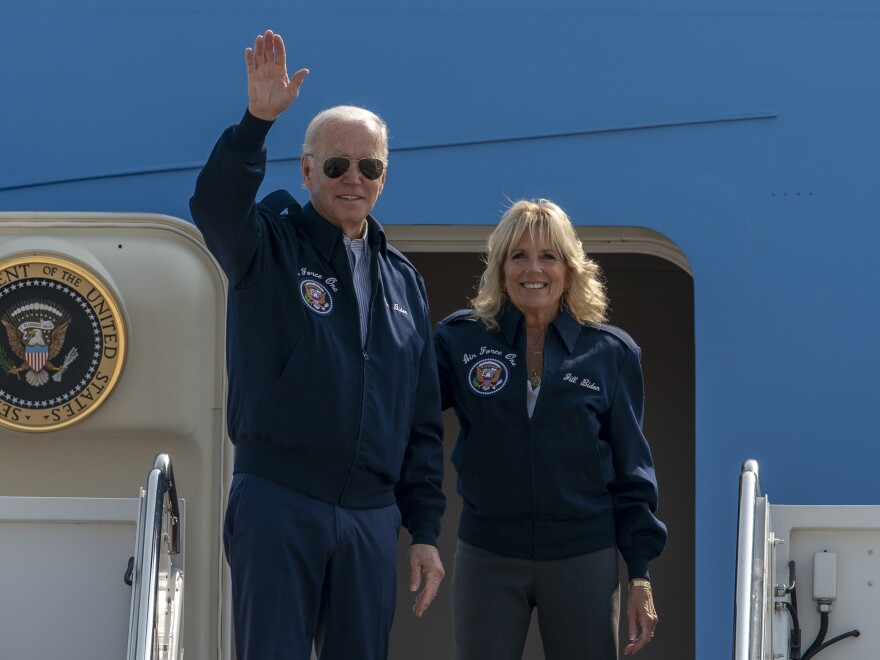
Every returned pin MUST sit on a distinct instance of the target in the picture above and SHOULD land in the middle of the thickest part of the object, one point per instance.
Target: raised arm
(270, 90)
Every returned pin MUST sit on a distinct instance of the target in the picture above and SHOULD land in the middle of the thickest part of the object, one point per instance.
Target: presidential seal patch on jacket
(487, 376)
(62, 345)
(316, 297)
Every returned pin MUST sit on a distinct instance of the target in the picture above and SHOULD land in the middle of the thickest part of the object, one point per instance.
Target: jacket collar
(567, 326)
(324, 235)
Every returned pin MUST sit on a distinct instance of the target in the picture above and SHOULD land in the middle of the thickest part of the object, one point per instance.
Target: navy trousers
(306, 571)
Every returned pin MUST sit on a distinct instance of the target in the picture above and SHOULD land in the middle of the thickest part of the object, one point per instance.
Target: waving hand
(270, 90)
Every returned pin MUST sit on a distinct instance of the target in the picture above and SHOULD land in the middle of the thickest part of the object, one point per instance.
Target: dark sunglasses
(336, 166)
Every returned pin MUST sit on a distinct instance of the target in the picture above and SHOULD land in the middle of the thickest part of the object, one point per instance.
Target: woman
(553, 469)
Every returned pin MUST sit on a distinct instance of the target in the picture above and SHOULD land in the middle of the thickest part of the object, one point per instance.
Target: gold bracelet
(640, 582)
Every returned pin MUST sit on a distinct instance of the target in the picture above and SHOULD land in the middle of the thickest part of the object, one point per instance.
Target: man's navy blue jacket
(309, 407)
(578, 475)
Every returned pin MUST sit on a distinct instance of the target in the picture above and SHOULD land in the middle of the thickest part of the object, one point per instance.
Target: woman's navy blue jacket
(308, 406)
(576, 477)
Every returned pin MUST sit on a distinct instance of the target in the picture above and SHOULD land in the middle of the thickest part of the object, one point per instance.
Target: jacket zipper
(534, 512)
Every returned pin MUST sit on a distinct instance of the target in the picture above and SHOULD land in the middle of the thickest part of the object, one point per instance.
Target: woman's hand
(641, 615)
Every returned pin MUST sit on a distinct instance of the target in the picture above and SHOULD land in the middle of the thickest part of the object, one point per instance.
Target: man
(333, 392)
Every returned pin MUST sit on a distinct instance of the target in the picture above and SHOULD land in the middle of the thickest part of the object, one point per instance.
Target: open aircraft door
(807, 578)
(111, 358)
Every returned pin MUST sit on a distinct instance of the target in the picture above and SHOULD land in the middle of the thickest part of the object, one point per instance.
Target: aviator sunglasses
(336, 166)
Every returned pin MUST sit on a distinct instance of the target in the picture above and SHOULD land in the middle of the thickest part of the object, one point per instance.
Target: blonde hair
(585, 294)
(348, 114)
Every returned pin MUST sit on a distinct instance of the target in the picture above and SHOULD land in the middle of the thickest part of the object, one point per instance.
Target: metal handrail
(749, 491)
(160, 482)
(163, 463)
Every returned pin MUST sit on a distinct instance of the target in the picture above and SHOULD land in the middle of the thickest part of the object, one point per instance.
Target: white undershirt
(531, 397)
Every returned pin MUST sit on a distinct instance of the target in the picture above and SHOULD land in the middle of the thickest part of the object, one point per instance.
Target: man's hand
(424, 560)
(270, 91)
(642, 618)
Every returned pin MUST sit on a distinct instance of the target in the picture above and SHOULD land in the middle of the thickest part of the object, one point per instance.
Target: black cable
(833, 640)
(820, 636)
(794, 643)
(792, 584)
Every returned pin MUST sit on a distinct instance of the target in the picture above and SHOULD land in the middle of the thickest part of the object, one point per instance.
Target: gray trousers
(578, 602)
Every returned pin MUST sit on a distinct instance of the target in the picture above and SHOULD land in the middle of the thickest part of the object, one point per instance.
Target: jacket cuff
(424, 530)
(250, 134)
(637, 567)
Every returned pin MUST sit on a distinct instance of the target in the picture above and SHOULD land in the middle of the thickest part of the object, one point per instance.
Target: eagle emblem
(62, 344)
(316, 297)
(487, 377)
(36, 330)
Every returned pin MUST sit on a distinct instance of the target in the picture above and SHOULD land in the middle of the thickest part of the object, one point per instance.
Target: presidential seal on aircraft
(64, 342)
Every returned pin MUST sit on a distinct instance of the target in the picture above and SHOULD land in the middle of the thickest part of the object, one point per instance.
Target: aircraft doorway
(651, 296)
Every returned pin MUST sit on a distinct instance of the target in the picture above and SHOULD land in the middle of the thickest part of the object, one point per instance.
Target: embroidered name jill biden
(584, 382)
